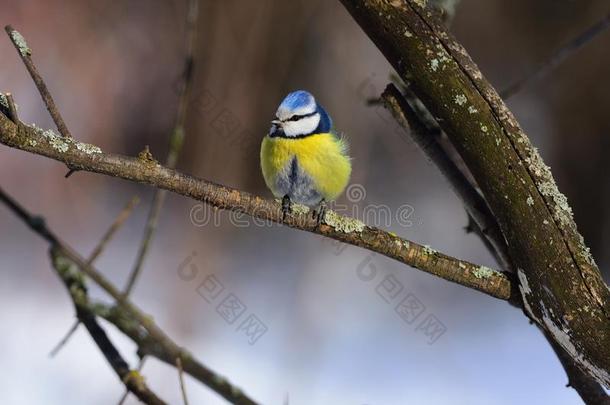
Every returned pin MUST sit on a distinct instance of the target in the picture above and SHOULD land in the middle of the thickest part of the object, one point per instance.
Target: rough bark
(561, 286)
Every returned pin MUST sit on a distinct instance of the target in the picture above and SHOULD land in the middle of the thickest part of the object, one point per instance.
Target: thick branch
(145, 169)
(561, 286)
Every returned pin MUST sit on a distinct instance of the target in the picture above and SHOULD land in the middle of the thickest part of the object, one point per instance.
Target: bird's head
(299, 115)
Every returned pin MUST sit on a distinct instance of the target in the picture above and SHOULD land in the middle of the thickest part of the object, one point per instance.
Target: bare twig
(558, 57)
(116, 225)
(181, 378)
(26, 56)
(343, 229)
(175, 143)
(71, 276)
(12, 107)
(139, 326)
(167, 351)
(65, 339)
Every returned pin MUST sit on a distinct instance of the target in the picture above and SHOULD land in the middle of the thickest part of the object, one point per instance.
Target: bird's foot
(320, 213)
(286, 206)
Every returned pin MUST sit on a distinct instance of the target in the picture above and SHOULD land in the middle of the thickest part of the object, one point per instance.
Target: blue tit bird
(303, 160)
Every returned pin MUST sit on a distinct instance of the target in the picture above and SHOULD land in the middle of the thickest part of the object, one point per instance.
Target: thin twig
(65, 339)
(175, 143)
(133, 381)
(167, 351)
(26, 56)
(12, 108)
(116, 225)
(349, 230)
(558, 57)
(181, 378)
(138, 326)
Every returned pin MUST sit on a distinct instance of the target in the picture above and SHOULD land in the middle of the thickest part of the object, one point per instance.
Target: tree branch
(116, 225)
(112, 230)
(474, 203)
(137, 325)
(71, 277)
(562, 288)
(145, 169)
(25, 52)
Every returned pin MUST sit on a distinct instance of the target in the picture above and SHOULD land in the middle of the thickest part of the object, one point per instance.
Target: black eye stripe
(298, 117)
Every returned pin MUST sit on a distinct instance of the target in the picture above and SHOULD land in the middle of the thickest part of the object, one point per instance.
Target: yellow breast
(322, 156)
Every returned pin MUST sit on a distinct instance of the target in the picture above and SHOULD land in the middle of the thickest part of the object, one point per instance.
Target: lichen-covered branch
(25, 52)
(561, 286)
(474, 203)
(72, 279)
(165, 350)
(139, 326)
(116, 225)
(145, 169)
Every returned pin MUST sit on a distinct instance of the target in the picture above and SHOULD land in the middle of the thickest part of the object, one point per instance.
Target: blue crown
(301, 102)
(297, 100)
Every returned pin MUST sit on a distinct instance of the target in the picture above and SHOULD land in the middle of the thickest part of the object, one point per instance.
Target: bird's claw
(286, 207)
(320, 213)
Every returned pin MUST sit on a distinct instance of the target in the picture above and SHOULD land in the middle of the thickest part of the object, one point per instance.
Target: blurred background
(331, 335)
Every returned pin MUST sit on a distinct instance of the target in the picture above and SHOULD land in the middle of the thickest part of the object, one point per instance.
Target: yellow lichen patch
(3, 101)
(134, 377)
(483, 272)
(299, 209)
(88, 148)
(19, 40)
(343, 224)
(460, 99)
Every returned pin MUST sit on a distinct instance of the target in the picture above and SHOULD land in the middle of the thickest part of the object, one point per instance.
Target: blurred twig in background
(513, 205)
(558, 57)
(73, 280)
(116, 225)
(176, 141)
(128, 318)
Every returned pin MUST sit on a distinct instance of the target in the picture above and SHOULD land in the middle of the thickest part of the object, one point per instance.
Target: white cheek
(303, 126)
(284, 113)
